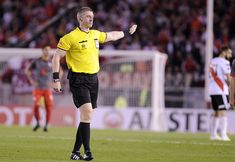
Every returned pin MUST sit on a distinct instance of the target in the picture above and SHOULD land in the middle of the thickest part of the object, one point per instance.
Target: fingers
(133, 28)
(57, 87)
(57, 90)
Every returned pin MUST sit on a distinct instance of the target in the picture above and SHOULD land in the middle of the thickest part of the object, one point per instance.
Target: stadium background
(174, 27)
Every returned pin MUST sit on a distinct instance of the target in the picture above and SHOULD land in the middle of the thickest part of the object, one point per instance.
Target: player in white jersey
(219, 90)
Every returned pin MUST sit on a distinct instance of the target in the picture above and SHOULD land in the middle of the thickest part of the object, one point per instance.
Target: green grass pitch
(20, 144)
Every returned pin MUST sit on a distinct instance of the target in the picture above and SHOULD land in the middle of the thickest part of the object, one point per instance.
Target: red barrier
(23, 115)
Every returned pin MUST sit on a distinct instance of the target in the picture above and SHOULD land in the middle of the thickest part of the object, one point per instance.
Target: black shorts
(218, 103)
(84, 88)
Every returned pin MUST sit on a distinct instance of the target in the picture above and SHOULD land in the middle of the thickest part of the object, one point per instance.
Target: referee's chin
(90, 25)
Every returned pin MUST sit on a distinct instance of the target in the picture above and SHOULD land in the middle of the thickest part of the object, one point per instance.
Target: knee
(86, 115)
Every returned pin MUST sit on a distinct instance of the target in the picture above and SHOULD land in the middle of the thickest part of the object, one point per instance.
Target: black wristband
(56, 80)
(126, 32)
(56, 75)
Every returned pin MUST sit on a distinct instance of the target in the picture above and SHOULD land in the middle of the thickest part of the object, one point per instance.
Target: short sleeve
(64, 43)
(102, 37)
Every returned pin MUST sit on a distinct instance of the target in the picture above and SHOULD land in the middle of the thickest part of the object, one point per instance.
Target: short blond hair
(83, 9)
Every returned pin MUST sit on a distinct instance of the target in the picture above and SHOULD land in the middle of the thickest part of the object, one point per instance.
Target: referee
(81, 49)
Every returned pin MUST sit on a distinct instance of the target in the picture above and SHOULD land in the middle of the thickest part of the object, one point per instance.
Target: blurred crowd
(175, 27)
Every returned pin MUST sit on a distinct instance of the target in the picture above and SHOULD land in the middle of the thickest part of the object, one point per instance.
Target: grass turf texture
(21, 144)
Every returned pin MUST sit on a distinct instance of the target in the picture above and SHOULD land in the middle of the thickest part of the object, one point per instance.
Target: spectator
(173, 26)
(189, 67)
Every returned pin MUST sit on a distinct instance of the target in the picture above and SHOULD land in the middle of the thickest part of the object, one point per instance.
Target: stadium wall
(177, 119)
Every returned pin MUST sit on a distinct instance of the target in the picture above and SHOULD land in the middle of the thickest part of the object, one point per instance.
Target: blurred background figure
(12, 66)
(219, 80)
(39, 75)
(6, 87)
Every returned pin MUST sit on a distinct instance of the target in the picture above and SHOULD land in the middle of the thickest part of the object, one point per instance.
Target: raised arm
(115, 35)
(55, 69)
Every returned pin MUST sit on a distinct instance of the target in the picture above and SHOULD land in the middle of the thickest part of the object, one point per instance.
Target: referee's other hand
(57, 87)
(132, 29)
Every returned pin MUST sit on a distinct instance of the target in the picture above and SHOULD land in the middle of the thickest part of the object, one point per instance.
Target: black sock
(78, 142)
(85, 133)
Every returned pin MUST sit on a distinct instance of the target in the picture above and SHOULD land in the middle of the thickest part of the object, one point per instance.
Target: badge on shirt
(83, 46)
(97, 43)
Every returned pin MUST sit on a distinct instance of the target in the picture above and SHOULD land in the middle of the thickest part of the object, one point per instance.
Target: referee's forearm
(55, 63)
(114, 35)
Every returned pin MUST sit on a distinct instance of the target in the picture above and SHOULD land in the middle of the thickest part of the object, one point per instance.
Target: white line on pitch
(222, 143)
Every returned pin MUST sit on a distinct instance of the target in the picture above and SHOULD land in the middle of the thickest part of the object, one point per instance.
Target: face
(228, 54)
(86, 19)
(46, 53)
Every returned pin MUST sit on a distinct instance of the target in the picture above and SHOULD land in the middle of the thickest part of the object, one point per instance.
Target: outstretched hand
(57, 87)
(132, 29)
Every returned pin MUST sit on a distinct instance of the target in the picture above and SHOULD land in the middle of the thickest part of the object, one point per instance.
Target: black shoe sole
(88, 159)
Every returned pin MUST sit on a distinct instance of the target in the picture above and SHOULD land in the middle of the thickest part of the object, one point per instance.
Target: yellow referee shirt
(82, 50)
